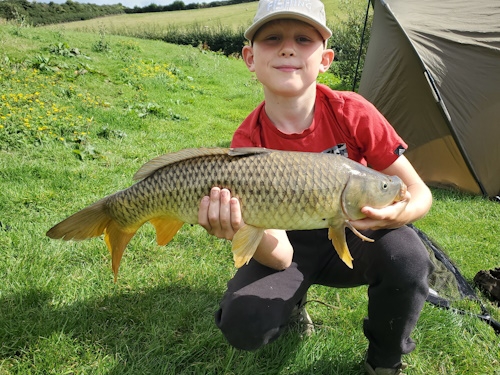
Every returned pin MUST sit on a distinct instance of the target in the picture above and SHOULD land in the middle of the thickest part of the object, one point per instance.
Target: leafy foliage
(346, 41)
(36, 13)
(180, 5)
(222, 39)
(101, 45)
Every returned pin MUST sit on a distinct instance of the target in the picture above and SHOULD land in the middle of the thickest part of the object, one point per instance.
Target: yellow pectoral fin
(116, 239)
(337, 235)
(245, 242)
(166, 228)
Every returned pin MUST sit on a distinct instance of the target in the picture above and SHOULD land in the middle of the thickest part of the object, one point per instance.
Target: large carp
(276, 189)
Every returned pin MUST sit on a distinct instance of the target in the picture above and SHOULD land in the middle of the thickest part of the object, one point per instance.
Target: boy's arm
(220, 215)
(414, 206)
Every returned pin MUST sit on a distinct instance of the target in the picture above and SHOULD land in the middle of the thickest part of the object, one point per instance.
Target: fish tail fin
(245, 243)
(87, 223)
(337, 235)
(93, 221)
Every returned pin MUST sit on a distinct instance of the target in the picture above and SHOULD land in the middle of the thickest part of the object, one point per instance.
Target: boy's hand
(389, 217)
(220, 214)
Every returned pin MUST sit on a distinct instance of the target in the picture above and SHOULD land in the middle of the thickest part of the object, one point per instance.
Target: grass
(232, 16)
(75, 127)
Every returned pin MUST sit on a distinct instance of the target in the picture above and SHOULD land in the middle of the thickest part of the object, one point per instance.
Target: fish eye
(385, 185)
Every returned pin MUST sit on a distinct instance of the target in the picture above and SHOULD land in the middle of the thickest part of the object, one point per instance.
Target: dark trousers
(258, 301)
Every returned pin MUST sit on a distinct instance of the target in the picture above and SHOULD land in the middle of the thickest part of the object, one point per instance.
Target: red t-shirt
(344, 123)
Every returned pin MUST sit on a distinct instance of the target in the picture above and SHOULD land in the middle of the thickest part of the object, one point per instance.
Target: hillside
(232, 16)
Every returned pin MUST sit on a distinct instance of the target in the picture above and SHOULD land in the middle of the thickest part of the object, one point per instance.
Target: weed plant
(77, 130)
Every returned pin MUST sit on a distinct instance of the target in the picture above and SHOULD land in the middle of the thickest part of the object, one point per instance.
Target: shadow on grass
(161, 330)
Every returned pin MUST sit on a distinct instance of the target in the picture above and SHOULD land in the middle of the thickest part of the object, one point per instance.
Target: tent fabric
(433, 69)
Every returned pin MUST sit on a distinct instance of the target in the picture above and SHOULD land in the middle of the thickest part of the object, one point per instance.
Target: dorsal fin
(189, 153)
(245, 151)
(161, 161)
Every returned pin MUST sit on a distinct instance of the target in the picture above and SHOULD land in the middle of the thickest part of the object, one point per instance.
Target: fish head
(370, 188)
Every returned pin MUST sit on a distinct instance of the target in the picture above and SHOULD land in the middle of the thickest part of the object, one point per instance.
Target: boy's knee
(247, 322)
(405, 254)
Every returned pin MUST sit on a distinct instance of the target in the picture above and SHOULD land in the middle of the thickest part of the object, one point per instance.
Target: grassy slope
(232, 15)
(60, 311)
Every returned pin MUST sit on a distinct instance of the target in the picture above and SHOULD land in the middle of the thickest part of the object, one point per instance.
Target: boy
(287, 51)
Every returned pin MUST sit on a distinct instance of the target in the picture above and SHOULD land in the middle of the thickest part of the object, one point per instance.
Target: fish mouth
(402, 192)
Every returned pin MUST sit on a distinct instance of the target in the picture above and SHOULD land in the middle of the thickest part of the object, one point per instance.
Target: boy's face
(287, 56)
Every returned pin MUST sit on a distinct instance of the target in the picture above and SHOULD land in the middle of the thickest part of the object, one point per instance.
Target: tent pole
(361, 47)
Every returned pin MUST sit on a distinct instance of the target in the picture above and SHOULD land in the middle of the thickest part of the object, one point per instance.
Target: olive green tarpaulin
(433, 69)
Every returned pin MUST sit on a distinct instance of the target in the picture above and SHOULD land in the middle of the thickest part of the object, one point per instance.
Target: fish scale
(276, 189)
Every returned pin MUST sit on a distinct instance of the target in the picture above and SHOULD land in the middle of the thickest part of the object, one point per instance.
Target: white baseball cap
(311, 12)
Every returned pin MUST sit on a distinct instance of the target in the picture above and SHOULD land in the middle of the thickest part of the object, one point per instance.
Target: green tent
(433, 69)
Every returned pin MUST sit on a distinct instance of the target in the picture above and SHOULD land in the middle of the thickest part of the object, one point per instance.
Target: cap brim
(322, 29)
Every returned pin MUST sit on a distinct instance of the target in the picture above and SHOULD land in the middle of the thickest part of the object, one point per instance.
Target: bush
(221, 39)
(346, 41)
(44, 14)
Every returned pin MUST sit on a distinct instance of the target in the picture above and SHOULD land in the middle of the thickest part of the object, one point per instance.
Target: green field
(80, 112)
(234, 16)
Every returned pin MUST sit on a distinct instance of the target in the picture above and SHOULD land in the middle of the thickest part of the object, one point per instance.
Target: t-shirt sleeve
(241, 139)
(248, 133)
(375, 137)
